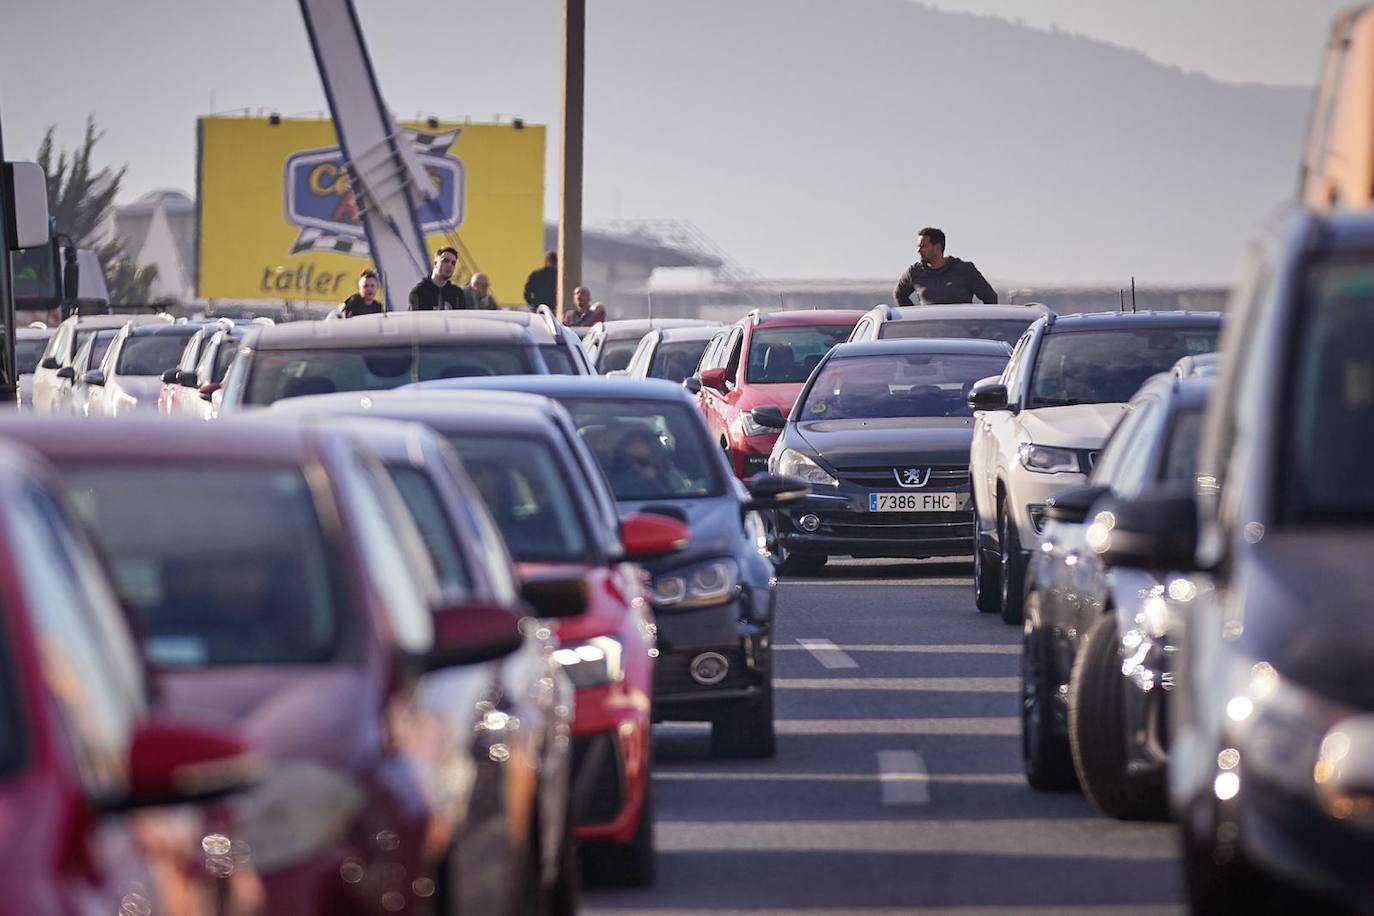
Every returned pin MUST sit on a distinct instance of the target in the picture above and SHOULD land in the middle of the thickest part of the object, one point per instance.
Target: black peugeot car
(713, 602)
(881, 432)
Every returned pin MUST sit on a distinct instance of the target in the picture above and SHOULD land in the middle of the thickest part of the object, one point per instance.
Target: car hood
(143, 387)
(316, 712)
(1306, 600)
(783, 396)
(606, 603)
(1075, 426)
(855, 443)
(715, 523)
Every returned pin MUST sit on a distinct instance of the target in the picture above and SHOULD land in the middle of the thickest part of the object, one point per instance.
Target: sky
(148, 71)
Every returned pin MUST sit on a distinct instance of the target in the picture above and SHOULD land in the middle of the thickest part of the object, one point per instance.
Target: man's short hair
(551, 256)
(446, 250)
(368, 272)
(934, 235)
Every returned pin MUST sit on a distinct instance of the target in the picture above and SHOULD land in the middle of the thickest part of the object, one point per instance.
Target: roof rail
(753, 316)
(1051, 317)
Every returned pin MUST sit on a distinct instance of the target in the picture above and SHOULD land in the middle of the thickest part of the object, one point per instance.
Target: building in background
(160, 229)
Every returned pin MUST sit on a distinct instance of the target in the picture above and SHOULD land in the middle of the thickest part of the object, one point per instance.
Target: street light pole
(570, 191)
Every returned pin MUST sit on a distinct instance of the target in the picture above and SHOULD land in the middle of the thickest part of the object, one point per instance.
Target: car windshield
(278, 374)
(648, 449)
(27, 351)
(223, 357)
(674, 360)
(150, 354)
(615, 354)
(897, 385)
(789, 355)
(528, 496)
(558, 359)
(99, 346)
(1331, 412)
(1180, 462)
(220, 585)
(1109, 366)
(1008, 331)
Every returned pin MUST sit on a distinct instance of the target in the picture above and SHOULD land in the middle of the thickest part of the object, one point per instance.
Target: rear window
(1007, 331)
(558, 359)
(615, 354)
(150, 354)
(788, 355)
(1109, 366)
(278, 374)
(897, 385)
(215, 586)
(675, 360)
(648, 449)
(27, 352)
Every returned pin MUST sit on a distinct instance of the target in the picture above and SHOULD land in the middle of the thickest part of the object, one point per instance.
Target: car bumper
(740, 632)
(610, 764)
(1027, 493)
(750, 456)
(845, 527)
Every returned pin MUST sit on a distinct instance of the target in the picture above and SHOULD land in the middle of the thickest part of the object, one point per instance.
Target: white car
(1039, 426)
(129, 378)
(62, 347)
(72, 397)
(29, 344)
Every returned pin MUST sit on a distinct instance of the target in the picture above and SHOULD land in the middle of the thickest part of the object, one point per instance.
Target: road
(897, 787)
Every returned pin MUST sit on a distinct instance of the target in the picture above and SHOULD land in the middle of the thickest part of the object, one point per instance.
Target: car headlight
(1046, 459)
(704, 584)
(793, 463)
(751, 427)
(302, 808)
(593, 663)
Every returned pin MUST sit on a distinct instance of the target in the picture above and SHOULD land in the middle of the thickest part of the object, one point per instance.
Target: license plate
(913, 502)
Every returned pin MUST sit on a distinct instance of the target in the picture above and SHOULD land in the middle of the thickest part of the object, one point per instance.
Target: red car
(557, 515)
(763, 360)
(83, 770)
(418, 742)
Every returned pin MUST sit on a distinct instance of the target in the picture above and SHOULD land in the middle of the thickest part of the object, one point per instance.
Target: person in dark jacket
(435, 291)
(940, 280)
(364, 301)
(542, 286)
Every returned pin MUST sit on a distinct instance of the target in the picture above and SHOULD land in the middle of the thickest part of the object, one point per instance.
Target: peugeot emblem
(911, 478)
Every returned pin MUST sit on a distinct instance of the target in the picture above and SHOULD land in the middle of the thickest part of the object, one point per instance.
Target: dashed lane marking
(903, 778)
(917, 649)
(827, 653)
(916, 684)
(1000, 726)
(955, 779)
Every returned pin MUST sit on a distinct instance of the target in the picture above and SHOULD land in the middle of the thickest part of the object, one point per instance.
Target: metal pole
(570, 190)
(9, 381)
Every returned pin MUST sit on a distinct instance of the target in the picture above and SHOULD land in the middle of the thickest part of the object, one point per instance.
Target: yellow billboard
(278, 219)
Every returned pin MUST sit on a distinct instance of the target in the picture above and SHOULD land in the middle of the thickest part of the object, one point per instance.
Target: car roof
(162, 440)
(1187, 393)
(1094, 321)
(972, 311)
(596, 387)
(801, 318)
(34, 333)
(542, 326)
(704, 332)
(921, 345)
(389, 329)
(623, 328)
(84, 322)
(511, 413)
(164, 330)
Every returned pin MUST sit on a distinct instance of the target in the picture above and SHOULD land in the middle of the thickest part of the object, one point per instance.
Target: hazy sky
(147, 68)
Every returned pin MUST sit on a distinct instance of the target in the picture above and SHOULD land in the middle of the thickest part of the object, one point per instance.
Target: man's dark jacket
(426, 297)
(542, 287)
(357, 305)
(954, 283)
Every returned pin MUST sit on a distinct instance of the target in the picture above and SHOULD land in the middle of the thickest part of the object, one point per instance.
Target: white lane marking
(918, 649)
(919, 684)
(827, 653)
(1094, 909)
(999, 726)
(904, 778)
(953, 779)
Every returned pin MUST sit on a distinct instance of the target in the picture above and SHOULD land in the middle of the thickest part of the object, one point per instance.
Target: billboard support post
(570, 191)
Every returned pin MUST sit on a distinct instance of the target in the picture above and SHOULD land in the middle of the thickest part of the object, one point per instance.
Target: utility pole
(570, 190)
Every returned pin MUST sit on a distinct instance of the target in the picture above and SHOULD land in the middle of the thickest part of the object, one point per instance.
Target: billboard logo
(319, 199)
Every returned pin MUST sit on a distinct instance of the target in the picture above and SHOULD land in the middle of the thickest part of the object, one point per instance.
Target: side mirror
(552, 593)
(177, 762)
(988, 394)
(647, 536)
(692, 384)
(1346, 766)
(67, 372)
(187, 378)
(774, 491)
(50, 362)
(28, 189)
(93, 377)
(712, 378)
(469, 634)
(170, 376)
(207, 390)
(1073, 505)
(1157, 531)
(769, 415)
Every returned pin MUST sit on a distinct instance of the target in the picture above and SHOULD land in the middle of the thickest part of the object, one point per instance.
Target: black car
(1271, 759)
(714, 600)
(881, 433)
(1098, 646)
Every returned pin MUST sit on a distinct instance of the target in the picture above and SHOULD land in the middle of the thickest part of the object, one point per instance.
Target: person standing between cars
(435, 292)
(364, 301)
(583, 314)
(479, 294)
(541, 288)
(939, 280)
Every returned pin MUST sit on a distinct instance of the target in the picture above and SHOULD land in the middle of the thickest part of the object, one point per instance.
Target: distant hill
(813, 139)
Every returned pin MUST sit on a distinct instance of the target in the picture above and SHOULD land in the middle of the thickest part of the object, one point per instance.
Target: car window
(149, 354)
(527, 494)
(1180, 459)
(896, 385)
(1138, 450)
(191, 352)
(220, 586)
(1105, 468)
(224, 358)
(615, 354)
(99, 345)
(1013, 376)
(1007, 331)
(60, 345)
(427, 510)
(709, 357)
(788, 355)
(641, 354)
(558, 359)
(730, 353)
(1109, 366)
(676, 360)
(648, 449)
(27, 352)
(278, 374)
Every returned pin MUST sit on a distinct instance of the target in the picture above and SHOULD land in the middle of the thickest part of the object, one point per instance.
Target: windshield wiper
(1059, 402)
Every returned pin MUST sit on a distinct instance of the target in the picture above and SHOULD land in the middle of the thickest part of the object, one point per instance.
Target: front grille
(916, 526)
(598, 779)
(671, 674)
(882, 476)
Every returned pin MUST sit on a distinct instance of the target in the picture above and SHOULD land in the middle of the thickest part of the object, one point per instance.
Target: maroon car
(283, 588)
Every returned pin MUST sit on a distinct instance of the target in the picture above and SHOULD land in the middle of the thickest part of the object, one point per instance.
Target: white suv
(1039, 426)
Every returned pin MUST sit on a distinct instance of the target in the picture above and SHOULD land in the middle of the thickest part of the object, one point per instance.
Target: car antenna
(1122, 293)
(1132, 295)
(650, 294)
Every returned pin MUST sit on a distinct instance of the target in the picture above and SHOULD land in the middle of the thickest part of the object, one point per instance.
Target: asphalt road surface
(897, 787)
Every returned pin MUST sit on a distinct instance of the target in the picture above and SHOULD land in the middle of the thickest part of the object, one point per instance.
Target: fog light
(809, 522)
(709, 668)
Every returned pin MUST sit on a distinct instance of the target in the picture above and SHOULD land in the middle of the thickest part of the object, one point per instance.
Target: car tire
(1012, 574)
(987, 587)
(745, 730)
(562, 899)
(625, 864)
(1097, 732)
(1044, 754)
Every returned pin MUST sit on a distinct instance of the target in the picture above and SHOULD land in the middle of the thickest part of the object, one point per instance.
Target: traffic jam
(466, 610)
